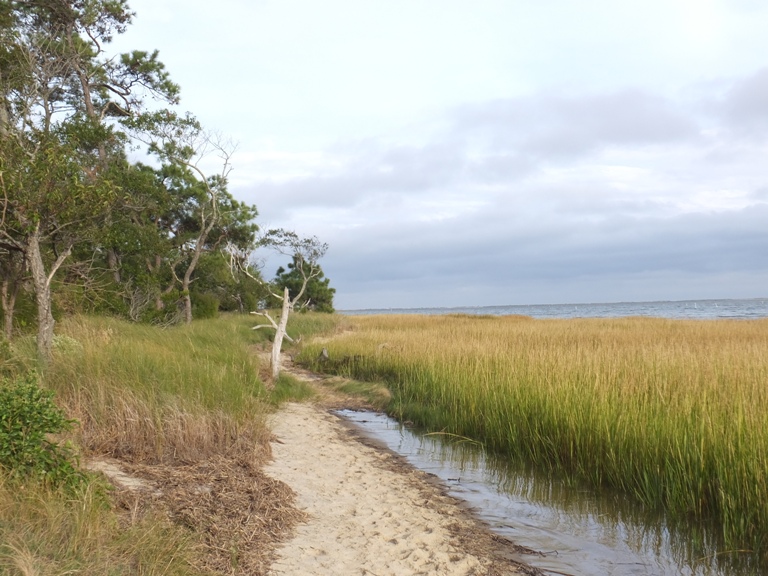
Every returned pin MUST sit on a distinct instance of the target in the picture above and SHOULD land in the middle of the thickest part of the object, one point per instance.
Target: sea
(744, 309)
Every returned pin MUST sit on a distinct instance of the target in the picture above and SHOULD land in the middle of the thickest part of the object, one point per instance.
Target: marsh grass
(375, 393)
(673, 412)
(290, 389)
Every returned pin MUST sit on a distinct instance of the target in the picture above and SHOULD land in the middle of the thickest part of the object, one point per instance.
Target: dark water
(694, 309)
(580, 532)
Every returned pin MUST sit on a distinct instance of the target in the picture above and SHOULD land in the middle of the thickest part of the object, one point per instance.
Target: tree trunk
(45, 321)
(187, 307)
(4, 120)
(185, 282)
(114, 265)
(10, 290)
(13, 277)
(42, 284)
(279, 335)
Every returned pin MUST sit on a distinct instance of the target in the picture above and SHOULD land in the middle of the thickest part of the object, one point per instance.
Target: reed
(672, 412)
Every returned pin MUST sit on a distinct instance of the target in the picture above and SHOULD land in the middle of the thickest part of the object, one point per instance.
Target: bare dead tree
(306, 252)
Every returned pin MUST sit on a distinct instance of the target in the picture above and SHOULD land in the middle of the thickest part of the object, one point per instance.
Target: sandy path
(365, 517)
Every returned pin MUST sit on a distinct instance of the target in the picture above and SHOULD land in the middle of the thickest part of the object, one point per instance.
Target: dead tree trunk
(279, 335)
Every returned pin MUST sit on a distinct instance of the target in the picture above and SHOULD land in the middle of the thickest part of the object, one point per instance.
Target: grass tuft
(290, 389)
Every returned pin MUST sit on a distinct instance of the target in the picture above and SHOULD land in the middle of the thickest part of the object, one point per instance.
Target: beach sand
(368, 512)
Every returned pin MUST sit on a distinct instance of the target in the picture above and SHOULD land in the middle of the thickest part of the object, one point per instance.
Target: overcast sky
(469, 153)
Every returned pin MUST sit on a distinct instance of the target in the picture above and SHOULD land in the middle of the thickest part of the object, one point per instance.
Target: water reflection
(580, 532)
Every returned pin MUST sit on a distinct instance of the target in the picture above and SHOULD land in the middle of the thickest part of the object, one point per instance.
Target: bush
(6, 357)
(204, 306)
(27, 415)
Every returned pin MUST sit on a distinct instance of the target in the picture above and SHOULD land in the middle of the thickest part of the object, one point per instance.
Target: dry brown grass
(240, 513)
(125, 426)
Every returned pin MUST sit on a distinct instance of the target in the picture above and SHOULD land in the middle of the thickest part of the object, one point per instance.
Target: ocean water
(691, 309)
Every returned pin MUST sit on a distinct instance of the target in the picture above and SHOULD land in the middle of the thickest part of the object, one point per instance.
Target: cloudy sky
(457, 153)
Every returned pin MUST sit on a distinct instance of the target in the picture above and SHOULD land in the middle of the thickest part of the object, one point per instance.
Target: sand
(367, 512)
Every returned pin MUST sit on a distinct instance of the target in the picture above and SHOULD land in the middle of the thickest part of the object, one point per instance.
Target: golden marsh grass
(673, 412)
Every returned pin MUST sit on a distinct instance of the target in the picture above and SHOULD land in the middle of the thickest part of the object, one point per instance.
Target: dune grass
(672, 412)
(44, 532)
(151, 395)
(174, 397)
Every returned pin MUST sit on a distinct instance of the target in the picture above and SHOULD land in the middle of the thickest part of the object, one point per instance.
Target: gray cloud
(552, 198)
(552, 126)
(701, 246)
(745, 105)
(488, 143)
(368, 170)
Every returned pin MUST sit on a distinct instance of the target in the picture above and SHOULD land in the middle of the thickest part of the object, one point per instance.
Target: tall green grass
(672, 412)
(151, 395)
(145, 395)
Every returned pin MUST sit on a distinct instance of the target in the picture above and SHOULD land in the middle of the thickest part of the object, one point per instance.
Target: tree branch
(274, 325)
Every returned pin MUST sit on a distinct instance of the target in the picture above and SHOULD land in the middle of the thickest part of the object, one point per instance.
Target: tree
(305, 252)
(13, 273)
(317, 296)
(58, 130)
(203, 215)
(44, 210)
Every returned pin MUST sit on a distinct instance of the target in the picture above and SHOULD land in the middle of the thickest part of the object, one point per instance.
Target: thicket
(84, 227)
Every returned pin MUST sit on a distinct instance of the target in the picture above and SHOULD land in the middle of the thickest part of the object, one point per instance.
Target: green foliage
(205, 306)
(7, 360)
(234, 290)
(317, 296)
(27, 415)
(290, 389)
(25, 314)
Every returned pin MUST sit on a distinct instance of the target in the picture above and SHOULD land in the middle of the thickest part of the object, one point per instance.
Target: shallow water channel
(579, 532)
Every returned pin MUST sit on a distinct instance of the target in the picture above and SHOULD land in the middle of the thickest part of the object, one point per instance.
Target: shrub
(6, 357)
(205, 306)
(27, 415)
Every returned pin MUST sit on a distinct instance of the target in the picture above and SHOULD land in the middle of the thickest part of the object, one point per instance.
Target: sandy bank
(367, 512)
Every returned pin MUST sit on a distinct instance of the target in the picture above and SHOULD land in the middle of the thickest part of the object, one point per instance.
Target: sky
(492, 152)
